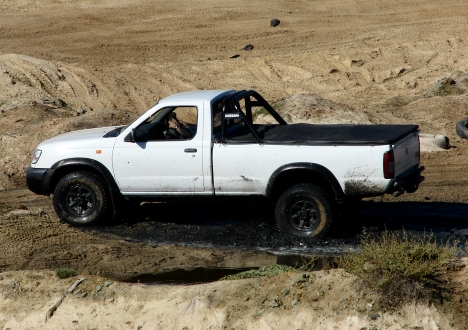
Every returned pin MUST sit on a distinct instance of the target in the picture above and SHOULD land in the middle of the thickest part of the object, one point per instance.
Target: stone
(294, 302)
(275, 22)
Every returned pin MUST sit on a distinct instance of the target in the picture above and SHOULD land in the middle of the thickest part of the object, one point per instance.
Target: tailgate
(406, 153)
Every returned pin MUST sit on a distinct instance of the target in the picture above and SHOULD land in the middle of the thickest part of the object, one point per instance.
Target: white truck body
(217, 164)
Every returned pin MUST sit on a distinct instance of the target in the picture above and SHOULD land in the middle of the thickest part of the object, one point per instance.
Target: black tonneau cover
(238, 127)
(326, 134)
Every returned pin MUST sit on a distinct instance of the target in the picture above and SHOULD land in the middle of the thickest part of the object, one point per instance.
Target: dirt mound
(302, 108)
(40, 99)
(25, 79)
(455, 84)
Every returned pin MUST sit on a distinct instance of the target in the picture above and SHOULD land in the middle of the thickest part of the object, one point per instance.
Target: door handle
(190, 150)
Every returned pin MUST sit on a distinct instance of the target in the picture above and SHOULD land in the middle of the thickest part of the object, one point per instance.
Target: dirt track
(67, 65)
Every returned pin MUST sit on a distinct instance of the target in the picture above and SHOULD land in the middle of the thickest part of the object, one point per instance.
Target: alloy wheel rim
(303, 215)
(80, 201)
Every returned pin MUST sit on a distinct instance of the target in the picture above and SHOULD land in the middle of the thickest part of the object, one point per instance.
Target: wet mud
(242, 224)
(250, 225)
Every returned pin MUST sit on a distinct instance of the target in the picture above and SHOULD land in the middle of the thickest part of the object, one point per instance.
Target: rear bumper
(38, 180)
(409, 183)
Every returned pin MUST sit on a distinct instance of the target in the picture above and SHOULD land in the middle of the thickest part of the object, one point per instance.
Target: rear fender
(288, 175)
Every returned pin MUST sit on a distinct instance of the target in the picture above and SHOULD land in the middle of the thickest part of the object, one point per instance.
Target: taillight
(389, 165)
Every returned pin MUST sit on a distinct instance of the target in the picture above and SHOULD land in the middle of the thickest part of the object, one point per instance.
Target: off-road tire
(462, 128)
(81, 199)
(304, 210)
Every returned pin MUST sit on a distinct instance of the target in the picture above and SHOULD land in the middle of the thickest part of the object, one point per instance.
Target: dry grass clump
(402, 267)
(64, 273)
(270, 271)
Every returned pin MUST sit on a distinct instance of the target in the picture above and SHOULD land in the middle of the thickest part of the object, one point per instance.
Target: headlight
(35, 156)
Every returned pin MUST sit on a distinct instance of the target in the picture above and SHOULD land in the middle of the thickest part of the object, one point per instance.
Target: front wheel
(80, 199)
(304, 210)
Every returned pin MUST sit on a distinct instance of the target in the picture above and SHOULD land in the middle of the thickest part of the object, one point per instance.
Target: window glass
(187, 117)
(156, 127)
(187, 114)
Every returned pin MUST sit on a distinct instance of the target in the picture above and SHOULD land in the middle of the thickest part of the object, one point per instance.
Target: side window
(188, 115)
(172, 123)
(185, 119)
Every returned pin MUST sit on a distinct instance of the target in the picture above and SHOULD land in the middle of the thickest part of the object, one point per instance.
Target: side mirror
(130, 136)
(135, 136)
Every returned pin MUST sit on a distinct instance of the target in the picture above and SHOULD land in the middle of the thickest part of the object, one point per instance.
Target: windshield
(116, 131)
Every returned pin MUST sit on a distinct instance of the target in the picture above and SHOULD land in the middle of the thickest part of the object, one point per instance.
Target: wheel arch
(295, 173)
(66, 166)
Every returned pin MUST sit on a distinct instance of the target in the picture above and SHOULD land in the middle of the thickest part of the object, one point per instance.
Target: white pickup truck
(209, 144)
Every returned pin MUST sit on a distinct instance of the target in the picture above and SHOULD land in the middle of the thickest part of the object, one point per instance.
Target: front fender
(69, 164)
(60, 168)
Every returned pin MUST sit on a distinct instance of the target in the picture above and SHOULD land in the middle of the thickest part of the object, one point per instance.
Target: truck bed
(311, 134)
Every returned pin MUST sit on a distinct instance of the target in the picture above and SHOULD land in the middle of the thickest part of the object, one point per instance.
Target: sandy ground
(317, 300)
(67, 65)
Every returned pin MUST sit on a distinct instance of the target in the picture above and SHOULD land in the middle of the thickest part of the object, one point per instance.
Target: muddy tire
(304, 210)
(80, 199)
(462, 128)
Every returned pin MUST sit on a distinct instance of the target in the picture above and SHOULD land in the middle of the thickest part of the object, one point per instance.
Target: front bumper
(38, 180)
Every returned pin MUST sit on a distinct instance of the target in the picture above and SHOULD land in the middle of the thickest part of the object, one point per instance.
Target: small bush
(271, 271)
(401, 267)
(64, 273)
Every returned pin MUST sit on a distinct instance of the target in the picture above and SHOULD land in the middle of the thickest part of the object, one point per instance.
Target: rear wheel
(80, 199)
(304, 210)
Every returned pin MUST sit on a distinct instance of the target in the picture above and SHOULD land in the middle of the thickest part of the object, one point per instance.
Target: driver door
(161, 166)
